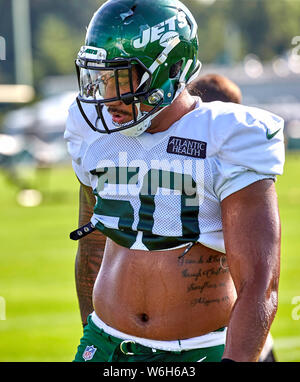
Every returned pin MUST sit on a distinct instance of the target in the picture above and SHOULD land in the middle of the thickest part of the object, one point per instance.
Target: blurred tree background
(228, 30)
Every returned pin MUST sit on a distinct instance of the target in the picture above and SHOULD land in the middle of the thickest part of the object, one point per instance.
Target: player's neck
(183, 104)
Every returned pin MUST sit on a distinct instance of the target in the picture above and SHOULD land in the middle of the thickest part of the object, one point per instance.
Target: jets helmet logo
(157, 32)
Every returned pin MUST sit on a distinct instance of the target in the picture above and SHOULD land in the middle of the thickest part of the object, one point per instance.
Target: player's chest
(173, 164)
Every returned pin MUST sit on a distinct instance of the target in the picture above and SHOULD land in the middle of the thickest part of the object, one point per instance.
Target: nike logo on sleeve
(269, 135)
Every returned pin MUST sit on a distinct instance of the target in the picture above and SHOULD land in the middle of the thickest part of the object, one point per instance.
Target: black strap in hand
(79, 233)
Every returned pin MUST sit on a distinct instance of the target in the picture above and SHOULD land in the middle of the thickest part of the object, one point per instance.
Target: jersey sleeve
(251, 148)
(76, 145)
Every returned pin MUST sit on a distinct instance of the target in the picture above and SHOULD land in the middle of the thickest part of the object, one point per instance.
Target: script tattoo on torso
(203, 279)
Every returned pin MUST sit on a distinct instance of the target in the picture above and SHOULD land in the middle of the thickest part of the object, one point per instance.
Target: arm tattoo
(89, 255)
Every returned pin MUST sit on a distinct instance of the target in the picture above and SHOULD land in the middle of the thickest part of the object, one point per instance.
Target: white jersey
(164, 190)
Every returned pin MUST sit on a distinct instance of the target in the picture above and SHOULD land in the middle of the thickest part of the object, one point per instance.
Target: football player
(179, 237)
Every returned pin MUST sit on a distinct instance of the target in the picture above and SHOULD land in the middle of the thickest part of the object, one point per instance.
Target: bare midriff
(160, 296)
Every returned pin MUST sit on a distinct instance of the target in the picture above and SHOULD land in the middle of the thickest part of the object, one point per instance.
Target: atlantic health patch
(187, 147)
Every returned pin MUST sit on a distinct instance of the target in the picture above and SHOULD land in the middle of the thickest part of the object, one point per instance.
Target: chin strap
(140, 128)
(182, 82)
(161, 58)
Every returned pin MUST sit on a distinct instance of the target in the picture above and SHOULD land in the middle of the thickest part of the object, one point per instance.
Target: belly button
(144, 317)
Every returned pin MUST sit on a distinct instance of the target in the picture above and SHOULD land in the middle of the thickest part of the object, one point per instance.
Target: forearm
(249, 324)
(89, 255)
(87, 265)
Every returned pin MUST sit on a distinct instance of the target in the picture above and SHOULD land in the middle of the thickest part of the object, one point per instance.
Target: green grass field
(39, 316)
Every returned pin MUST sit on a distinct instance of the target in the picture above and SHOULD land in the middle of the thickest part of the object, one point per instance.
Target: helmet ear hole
(175, 69)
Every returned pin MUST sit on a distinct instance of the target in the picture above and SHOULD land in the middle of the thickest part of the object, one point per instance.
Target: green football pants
(98, 346)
